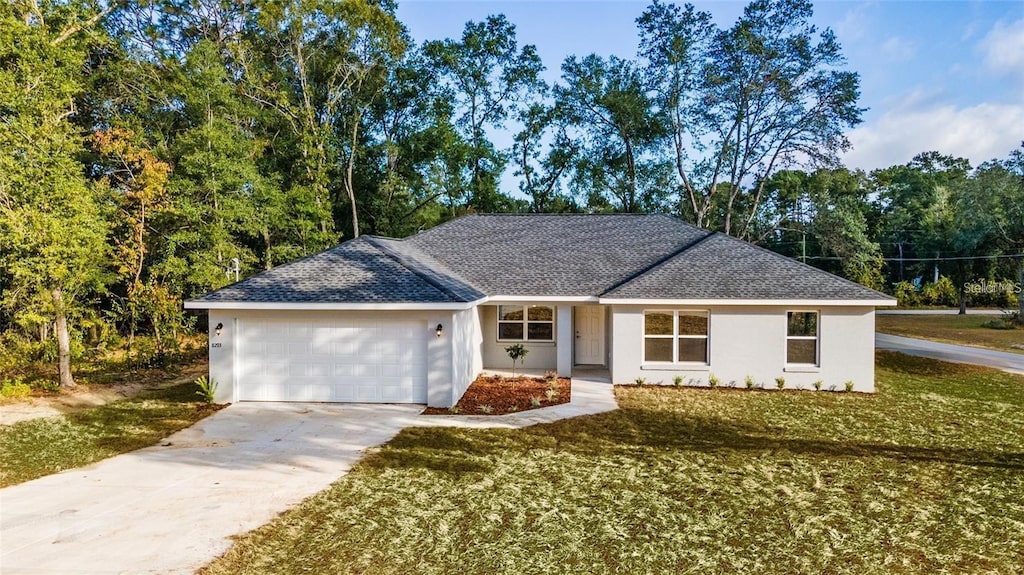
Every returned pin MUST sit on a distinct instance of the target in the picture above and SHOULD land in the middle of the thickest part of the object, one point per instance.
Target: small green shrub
(640, 381)
(517, 353)
(207, 389)
(713, 380)
(848, 385)
(818, 384)
(486, 409)
(780, 382)
(749, 382)
(551, 394)
(14, 388)
(677, 381)
(513, 408)
(535, 401)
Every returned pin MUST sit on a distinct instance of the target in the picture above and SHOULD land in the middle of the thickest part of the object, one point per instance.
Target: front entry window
(526, 323)
(676, 336)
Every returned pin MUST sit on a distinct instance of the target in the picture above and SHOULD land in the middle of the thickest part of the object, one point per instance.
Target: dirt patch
(497, 395)
(88, 395)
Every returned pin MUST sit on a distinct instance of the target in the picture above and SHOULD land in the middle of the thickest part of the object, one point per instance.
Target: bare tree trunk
(67, 381)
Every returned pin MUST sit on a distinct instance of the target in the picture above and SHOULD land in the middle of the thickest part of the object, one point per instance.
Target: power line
(935, 259)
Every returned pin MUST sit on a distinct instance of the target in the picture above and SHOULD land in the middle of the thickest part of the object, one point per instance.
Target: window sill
(675, 367)
(802, 369)
(527, 342)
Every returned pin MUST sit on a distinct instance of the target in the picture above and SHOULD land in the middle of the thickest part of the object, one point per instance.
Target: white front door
(589, 323)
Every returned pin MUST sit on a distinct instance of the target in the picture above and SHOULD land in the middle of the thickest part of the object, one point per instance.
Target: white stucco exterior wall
(541, 355)
(467, 356)
(752, 341)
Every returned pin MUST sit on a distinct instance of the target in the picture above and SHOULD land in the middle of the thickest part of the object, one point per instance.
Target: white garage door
(336, 360)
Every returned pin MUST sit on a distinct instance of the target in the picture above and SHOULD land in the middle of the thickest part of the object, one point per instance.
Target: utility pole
(1020, 288)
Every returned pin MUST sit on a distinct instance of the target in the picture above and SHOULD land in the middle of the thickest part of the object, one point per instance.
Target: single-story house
(415, 320)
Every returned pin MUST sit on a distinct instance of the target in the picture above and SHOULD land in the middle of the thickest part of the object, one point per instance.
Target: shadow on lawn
(456, 451)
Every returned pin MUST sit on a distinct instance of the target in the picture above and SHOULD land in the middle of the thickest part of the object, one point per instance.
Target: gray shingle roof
(554, 255)
(354, 272)
(723, 267)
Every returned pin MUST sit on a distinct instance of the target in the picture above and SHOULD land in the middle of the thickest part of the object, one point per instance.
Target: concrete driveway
(1004, 360)
(173, 507)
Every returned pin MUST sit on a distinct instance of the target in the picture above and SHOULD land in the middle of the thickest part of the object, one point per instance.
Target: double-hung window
(526, 323)
(676, 336)
(802, 338)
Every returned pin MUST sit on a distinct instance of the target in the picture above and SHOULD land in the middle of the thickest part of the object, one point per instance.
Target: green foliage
(536, 401)
(678, 380)
(749, 382)
(848, 386)
(780, 382)
(516, 353)
(207, 389)
(640, 381)
(485, 409)
(818, 384)
(15, 388)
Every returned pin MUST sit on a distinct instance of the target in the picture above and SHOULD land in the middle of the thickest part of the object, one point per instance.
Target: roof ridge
(660, 262)
(803, 264)
(416, 268)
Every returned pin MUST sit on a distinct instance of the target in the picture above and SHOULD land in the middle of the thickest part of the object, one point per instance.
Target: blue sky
(935, 75)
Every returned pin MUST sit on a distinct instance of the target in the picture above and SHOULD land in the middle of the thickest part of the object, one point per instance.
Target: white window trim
(525, 323)
(675, 337)
(809, 367)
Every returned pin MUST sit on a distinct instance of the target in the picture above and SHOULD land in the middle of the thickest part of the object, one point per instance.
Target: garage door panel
(336, 359)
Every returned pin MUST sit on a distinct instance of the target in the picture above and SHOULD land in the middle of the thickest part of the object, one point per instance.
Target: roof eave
(887, 302)
(331, 306)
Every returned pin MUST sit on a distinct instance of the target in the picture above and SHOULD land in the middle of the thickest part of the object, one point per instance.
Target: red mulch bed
(507, 395)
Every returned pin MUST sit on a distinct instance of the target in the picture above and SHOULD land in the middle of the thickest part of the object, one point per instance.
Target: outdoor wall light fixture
(218, 329)
(439, 330)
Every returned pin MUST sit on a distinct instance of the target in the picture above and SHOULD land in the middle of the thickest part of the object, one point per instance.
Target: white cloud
(898, 49)
(1003, 47)
(978, 133)
(854, 24)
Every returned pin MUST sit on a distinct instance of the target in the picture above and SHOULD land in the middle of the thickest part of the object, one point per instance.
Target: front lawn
(38, 447)
(957, 329)
(926, 476)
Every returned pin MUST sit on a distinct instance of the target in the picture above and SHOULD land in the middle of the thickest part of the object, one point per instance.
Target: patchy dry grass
(958, 329)
(924, 477)
(38, 447)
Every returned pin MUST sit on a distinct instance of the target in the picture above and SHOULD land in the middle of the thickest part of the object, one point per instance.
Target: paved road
(172, 508)
(1006, 361)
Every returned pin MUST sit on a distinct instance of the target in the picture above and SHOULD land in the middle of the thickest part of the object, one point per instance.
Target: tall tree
(542, 173)
(770, 93)
(312, 62)
(51, 225)
(608, 105)
(486, 75)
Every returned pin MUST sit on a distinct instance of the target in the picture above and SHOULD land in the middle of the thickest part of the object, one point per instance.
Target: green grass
(926, 476)
(38, 447)
(958, 329)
